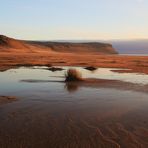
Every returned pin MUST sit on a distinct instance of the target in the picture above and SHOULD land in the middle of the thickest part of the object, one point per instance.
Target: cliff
(10, 44)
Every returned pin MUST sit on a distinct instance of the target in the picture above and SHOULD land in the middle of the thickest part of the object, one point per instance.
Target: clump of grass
(73, 75)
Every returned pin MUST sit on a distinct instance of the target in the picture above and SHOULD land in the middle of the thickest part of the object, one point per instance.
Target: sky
(74, 19)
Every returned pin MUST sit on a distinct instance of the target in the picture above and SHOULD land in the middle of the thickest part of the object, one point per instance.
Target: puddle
(42, 73)
(103, 73)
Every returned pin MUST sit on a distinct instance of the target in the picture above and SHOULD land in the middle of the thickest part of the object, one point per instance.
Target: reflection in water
(71, 86)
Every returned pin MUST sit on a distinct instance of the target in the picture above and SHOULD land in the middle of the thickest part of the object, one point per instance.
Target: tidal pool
(48, 114)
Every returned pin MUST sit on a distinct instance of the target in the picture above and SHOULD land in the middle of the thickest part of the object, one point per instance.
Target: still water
(10, 81)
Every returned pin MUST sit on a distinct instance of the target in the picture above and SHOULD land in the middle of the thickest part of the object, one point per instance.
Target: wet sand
(101, 117)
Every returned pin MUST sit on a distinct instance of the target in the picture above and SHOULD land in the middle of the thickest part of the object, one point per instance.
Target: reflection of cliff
(33, 46)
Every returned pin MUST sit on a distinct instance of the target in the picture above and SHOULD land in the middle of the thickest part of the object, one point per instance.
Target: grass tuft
(73, 75)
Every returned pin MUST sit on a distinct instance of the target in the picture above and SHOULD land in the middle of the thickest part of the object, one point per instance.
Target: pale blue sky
(74, 19)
